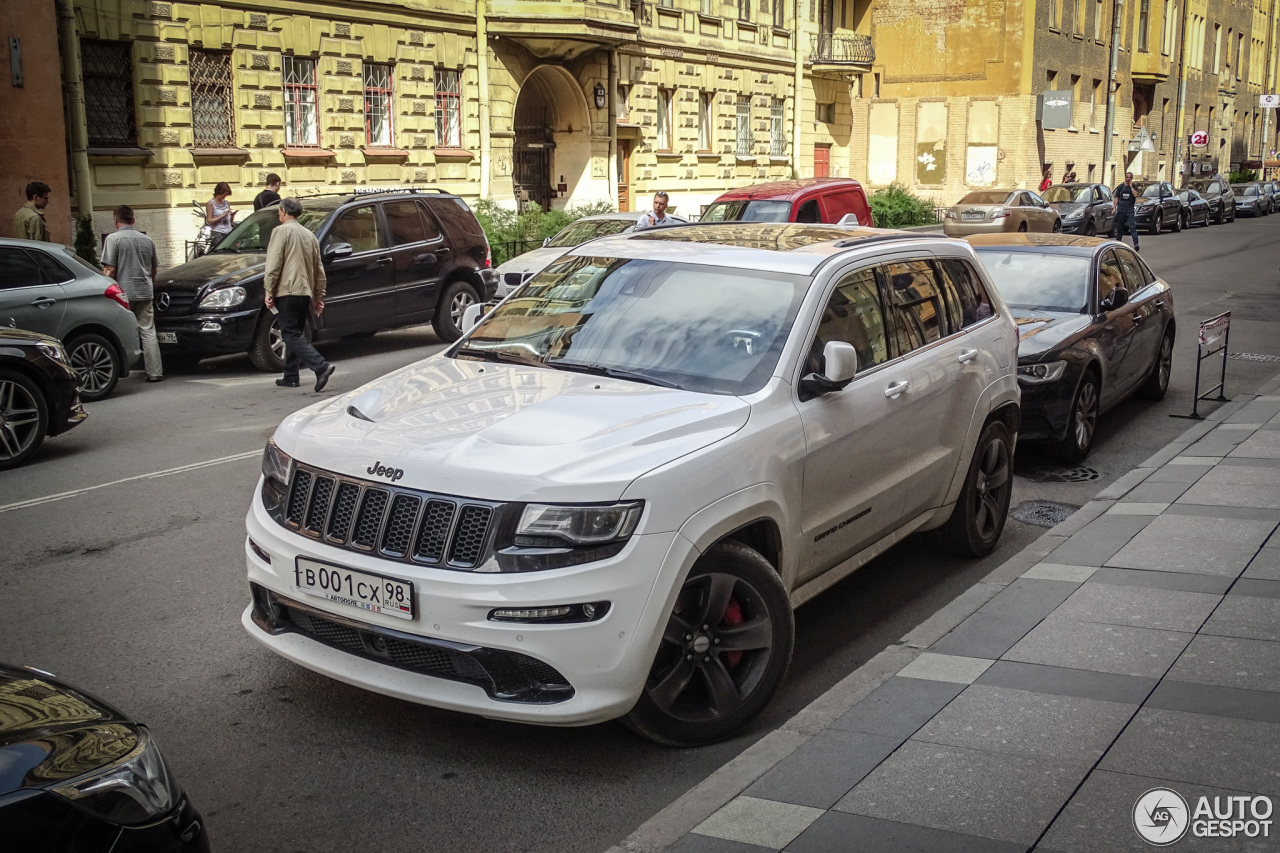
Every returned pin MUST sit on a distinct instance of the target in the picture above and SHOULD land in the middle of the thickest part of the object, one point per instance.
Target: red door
(822, 161)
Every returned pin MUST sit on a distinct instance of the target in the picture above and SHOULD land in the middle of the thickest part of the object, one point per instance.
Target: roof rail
(405, 190)
(880, 238)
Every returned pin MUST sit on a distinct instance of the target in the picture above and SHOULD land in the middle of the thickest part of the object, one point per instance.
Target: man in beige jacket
(295, 282)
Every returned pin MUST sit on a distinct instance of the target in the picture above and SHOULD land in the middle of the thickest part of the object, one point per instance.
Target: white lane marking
(154, 474)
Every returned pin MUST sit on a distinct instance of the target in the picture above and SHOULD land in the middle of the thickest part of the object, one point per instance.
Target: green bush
(86, 244)
(1243, 177)
(895, 207)
(511, 234)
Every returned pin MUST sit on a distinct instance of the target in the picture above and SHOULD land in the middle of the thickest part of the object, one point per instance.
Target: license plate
(167, 337)
(362, 590)
(973, 214)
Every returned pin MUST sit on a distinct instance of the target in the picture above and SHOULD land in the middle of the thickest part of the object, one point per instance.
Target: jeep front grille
(391, 522)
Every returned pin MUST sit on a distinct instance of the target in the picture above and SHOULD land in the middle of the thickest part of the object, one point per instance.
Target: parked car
(1095, 325)
(1084, 208)
(1251, 200)
(607, 498)
(521, 268)
(1195, 207)
(39, 394)
(46, 288)
(1158, 206)
(807, 200)
(988, 211)
(392, 259)
(79, 776)
(1271, 190)
(1221, 198)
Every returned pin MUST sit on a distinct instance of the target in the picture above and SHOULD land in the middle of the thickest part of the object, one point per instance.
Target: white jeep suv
(606, 499)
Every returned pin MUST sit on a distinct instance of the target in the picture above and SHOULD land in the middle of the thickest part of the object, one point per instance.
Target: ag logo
(1161, 817)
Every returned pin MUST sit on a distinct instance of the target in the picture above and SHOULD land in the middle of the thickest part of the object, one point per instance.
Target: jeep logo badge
(377, 469)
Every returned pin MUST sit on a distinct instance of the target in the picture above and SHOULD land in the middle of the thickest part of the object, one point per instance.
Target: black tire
(1022, 229)
(267, 348)
(24, 419)
(1158, 379)
(1221, 216)
(1083, 426)
(1091, 230)
(1157, 222)
(96, 363)
(1057, 226)
(457, 297)
(724, 651)
(978, 519)
(1233, 213)
(1179, 222)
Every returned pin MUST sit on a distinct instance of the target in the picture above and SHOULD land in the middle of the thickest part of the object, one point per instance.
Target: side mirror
(473, 314)
(840, 362)
(1118, 298)
(337, 250)
(546, 241)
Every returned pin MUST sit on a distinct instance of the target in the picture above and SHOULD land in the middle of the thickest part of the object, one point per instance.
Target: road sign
(1200, 139)
(1265, 101)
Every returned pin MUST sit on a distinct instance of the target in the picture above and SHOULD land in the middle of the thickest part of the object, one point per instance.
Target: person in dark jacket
(1123, 199)
(270, 195)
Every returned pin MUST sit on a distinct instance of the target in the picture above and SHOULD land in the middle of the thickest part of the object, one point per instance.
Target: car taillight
(488, 256)
(999, 214)
(948, 214)
(114, 292)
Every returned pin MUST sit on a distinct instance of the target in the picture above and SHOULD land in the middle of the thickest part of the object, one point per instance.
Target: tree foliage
(896, 207)
(511, 233)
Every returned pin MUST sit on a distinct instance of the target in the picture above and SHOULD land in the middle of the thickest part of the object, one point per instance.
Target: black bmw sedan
(78, 776)
(1094, 325)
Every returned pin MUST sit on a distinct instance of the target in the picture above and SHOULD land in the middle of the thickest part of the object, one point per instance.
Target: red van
(806, 200)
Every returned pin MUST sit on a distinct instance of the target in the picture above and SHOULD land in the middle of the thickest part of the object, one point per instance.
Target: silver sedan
(999, 211)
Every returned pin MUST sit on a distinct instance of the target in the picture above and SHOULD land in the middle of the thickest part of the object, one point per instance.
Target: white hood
(530, 263)
(509, 433)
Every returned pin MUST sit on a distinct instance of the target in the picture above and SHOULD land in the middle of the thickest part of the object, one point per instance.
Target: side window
(54, 272)
(853, 315)
(1106, 193)
(1214, 188)
(358, 227)
(1134, 278)
(915, 303)
(965, 292)
(808, 212)
(429, 222)
(18, 269)
(455, 216)
(1109, 276)
(404, 222)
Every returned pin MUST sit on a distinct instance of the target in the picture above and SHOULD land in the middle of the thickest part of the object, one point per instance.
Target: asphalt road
(129, 581)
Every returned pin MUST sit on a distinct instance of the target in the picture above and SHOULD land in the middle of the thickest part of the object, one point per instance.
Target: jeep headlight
(1039, 374)
(134, 790)
(224, 297)
(594, 524)
(277, 468)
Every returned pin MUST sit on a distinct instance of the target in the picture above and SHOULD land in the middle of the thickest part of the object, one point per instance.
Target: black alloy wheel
(1179, 220)
(97, 365)
(1157, 382)
(1075, 445)
(978, 519)
(724, 651)
(1090, 230)
(24, 419)
(1186, 220)
(1157, 223)
(1057, 226)
(266, 351)
(454, 302)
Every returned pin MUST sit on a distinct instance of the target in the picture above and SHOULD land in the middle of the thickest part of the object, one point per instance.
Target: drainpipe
(73, 91)
(613, 127)
(1182, 84)
(798, 97)
(482, 55)
(1117, 21)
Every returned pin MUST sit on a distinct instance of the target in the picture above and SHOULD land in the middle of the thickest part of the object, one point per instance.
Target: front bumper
(210, 332)
(966, 228)
(1075, 226)
(603, 663)
(1046, 408)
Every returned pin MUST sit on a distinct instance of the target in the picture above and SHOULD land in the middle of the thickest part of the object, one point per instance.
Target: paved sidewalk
(1134, 646)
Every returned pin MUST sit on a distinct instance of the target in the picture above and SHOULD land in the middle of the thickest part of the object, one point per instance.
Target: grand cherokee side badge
(377, 469)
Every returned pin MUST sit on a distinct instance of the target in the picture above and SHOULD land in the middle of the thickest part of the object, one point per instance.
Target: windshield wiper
(612, 373)
(504, 356)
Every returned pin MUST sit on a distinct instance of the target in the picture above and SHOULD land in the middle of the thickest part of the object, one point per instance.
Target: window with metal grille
(107, 68)
(212, 115)
(664, 119)
(300, 126)
(448, 109)
(377, 104)
(777, 129)
(744, 124)
(705, 101)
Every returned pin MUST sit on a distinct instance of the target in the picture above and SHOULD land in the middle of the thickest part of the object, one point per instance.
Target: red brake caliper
(733, 616)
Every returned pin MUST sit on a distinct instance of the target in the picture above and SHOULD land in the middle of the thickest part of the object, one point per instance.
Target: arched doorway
(551, 136)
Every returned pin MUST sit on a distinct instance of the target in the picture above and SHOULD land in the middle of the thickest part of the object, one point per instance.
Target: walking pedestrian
(218, 213)
(129, 256)
(270, 195)
(28, 222)
(1123, 200)
(1046, 180)
(295, 282)
(657, 216)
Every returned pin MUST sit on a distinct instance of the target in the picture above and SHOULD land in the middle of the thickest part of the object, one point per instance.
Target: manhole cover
(1078, 474)
(1252, 356)
(1042, 513)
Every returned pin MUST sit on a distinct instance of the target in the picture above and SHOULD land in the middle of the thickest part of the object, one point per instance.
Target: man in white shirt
(657, 216)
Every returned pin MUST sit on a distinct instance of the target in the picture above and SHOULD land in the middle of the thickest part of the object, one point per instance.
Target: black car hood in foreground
(21, 337)
(50, 733)
(207, 269)
(1040, 332)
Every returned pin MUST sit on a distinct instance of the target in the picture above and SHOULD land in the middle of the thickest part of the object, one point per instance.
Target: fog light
(561, 613)
(211, 326)
(257, 549)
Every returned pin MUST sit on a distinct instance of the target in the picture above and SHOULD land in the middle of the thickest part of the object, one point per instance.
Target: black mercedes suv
(391, 258)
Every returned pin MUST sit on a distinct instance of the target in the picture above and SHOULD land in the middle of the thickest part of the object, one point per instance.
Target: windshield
(1150, 191)
(748, 211)
(985, 198)
(1081, 194)
(1249, 190)
(685, 325)
(588, 229)
(1040, 282)
(252, 234)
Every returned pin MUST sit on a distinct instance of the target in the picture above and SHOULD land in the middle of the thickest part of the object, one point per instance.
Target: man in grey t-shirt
(129, 257)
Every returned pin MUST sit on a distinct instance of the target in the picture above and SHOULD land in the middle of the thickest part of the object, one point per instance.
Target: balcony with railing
(561, 30)
(842, 51)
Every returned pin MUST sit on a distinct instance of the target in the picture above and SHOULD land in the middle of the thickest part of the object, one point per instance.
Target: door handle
(967, 356)
(1159, 303)
(446, 250)
(382, 262)
(43, 301)
(1137, 318)
(896, 388)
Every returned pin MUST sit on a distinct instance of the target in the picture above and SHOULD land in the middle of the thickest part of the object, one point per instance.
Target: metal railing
(503, 252)
(841, 48)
